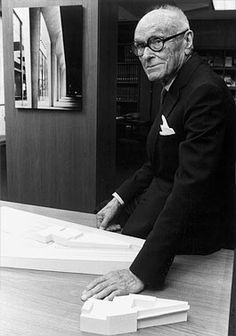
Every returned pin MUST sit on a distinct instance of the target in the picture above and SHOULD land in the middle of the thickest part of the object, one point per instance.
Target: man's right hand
(106, 214)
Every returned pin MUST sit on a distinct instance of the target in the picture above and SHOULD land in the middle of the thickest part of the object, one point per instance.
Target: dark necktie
(163, 95)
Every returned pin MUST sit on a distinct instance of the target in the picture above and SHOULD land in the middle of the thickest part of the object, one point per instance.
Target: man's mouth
(153, 65)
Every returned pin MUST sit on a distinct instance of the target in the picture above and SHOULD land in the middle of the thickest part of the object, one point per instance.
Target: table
(35, 303)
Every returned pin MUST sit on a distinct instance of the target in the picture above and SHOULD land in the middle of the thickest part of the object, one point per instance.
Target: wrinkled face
(161, 65)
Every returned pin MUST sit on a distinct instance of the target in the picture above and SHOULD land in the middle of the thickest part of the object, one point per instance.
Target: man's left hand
(113, 284)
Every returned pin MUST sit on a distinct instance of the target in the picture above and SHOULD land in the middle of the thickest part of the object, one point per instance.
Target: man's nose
(147, 53)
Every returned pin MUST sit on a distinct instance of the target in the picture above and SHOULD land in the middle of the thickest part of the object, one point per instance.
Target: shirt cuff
(119, 199)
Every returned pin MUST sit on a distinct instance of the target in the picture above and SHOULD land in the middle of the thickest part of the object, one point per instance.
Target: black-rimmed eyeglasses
(154, 43)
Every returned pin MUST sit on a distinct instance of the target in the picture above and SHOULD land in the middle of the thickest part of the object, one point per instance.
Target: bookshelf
(131, 125)
(223, 62)
(128, 74)
(128, 82)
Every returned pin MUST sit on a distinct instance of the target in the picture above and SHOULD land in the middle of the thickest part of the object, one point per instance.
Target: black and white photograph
(117, 167)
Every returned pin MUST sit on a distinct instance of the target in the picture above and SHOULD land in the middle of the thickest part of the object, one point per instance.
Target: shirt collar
(167, 86)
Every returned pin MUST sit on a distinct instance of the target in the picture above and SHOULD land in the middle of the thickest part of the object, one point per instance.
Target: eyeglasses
(154, 43)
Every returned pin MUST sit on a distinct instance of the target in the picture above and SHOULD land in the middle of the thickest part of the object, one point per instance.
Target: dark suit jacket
(187, 184)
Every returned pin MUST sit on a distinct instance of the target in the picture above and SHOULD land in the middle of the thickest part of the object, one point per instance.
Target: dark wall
(214, 33)
(106, 121)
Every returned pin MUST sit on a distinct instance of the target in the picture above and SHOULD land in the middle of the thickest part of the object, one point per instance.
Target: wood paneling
(52, 155)
(47, 159)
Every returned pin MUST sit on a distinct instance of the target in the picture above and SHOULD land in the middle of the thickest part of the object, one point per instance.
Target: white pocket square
(165, 129)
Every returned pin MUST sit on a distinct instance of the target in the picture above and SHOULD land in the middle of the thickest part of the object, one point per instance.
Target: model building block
(47, 235)
(106, 318)
(74, 238)
(65, 235)
(153, 311)
(130, 312)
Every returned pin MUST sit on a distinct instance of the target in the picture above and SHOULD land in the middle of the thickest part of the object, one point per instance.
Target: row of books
(127, 72)
(127, 93)
(220, 60)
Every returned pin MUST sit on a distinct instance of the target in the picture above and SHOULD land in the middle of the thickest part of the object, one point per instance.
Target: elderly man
(182, 196)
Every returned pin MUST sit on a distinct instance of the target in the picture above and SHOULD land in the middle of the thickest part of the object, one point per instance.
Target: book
(228, 61)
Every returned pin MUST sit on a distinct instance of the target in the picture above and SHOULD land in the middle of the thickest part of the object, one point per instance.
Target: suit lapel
(170, 102)
(172, 98)
(182, 79)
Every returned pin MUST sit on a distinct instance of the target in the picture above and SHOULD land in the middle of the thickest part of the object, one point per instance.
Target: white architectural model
(38, 242)
(128, 313)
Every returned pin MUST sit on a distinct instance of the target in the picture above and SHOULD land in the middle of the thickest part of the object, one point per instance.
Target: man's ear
(188, 42)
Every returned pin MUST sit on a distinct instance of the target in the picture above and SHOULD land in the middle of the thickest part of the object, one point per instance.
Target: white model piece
(47, 235)
(75, 238)
(107, 318)
(38, 242)
(57, 234)
(130, 312)
(153, 311)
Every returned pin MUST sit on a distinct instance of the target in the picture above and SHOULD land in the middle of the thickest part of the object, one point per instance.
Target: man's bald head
(162, 23)
(170, 17)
